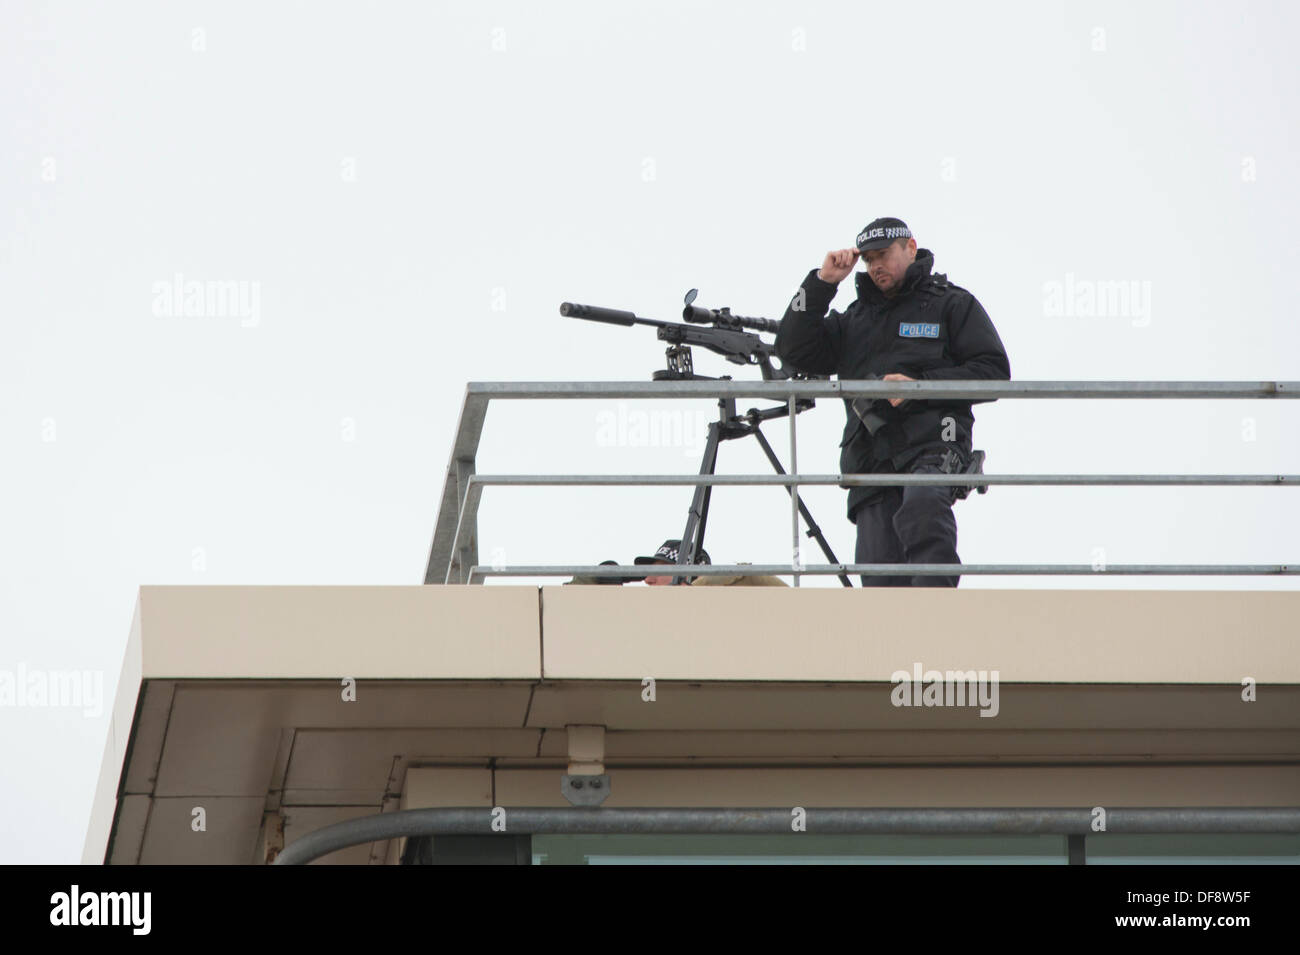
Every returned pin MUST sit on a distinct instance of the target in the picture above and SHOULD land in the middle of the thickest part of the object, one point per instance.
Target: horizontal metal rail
(855, 388)
(871, 480)
(454, 552)
(632, 571)
(766, 821)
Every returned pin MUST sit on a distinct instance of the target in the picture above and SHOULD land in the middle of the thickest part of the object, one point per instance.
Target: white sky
(383, 175)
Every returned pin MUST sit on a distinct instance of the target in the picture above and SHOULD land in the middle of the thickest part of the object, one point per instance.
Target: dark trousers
(909, 525)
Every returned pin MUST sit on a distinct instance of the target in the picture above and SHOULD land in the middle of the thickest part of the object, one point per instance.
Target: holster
(953, 463)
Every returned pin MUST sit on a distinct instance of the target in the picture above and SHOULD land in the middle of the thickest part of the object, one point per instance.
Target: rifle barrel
(613, 316)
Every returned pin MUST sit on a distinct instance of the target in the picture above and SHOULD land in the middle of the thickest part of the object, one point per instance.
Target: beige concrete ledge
(417, 632)
(716, 634)
(1034, 636)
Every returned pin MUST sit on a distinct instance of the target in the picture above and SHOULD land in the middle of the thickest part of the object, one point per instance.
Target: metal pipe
(479, 571)
(793, 414)
(455, 538)
(854, 388)
(767, 821)
(622, 480)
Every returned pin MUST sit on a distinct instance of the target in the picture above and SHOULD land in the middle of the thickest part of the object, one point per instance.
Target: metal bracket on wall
(586, 783)
(585, 790)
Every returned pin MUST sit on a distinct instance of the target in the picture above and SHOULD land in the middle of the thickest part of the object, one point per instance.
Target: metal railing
(1075, 823)
(453, 557)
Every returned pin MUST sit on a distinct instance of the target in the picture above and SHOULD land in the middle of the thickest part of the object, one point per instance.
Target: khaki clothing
(741, 580)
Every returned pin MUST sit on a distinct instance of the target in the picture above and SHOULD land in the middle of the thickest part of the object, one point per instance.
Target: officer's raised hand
(897, 376)
(837, 265)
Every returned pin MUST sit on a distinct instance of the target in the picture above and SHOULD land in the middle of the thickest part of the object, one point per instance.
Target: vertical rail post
(466, 554)
(796, 559)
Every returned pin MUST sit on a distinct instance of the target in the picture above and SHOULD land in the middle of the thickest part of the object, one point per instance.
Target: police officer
(617, 581)
(906, 324)
(667, 554)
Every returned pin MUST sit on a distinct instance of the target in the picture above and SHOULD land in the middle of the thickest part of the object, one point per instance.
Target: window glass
(797, 848)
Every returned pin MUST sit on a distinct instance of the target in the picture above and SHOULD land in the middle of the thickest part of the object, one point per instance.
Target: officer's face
(660, 581)
(887, 266)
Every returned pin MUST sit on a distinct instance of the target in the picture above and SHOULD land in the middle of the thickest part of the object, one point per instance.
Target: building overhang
(319, 704)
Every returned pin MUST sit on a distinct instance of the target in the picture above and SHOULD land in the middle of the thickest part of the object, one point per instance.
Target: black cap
(667, 554)
(882, 232)
(614, 580)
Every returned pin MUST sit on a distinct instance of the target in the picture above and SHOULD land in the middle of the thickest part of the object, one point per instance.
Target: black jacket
(877, 335)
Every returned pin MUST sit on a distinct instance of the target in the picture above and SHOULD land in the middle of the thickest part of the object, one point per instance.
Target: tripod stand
(728, 426)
